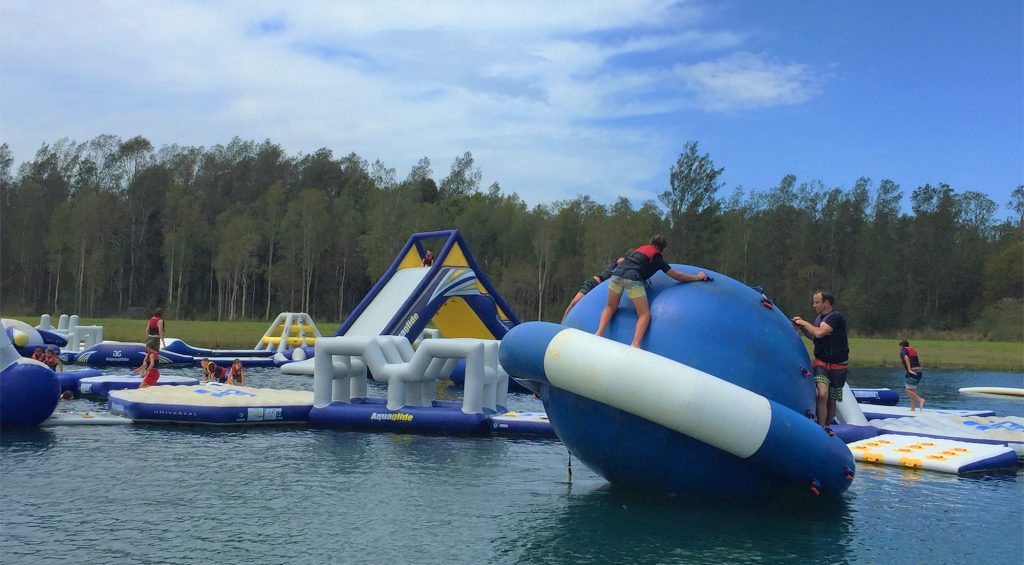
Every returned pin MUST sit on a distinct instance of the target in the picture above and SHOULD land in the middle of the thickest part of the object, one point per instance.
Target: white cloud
(745, 80)
(529, 87)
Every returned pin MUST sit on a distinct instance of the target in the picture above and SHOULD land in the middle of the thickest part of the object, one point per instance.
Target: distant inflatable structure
(29, 390)
(452, 292)
(720, 403)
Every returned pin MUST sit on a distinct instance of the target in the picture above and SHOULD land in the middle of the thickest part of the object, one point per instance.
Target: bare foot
(635, 345)
(922, 405)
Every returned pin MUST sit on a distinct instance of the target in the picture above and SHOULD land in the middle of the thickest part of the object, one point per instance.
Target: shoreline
(878, 353)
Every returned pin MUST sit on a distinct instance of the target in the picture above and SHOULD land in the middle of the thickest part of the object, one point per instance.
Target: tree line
(115, 227)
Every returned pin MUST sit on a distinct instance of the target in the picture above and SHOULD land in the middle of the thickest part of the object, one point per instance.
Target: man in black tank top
(831, 353)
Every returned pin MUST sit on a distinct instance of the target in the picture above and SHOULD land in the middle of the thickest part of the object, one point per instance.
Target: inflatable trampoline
(212, 403)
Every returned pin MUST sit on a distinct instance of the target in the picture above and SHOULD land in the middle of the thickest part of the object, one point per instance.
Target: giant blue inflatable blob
(29, 392)
(724, 329)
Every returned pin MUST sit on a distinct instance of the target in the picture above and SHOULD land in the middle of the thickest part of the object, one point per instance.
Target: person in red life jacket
(150, 374)
(911, 362)
(591, 283)
(428, 258)
(53, 361)
(213, 372)
(38, 355)
(831, 353)
(236, 376)
(155, 329)
(630, 275)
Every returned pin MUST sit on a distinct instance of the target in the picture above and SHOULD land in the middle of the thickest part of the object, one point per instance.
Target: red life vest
(152, 328)
(648, 251)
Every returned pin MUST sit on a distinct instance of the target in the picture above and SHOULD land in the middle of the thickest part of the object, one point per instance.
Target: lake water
(296, 494)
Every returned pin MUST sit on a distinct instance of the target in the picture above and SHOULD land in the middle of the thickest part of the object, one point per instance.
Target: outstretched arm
(810, 330)
(683, 277)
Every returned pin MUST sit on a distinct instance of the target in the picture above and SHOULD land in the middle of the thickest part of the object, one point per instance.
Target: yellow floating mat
(213, 403)
(943, 455)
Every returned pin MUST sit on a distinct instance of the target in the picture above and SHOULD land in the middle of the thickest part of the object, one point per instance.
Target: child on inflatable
(213, 372)
(592, 282)
(150, 374)
(38, 355)
(52, 361)
(236, 376)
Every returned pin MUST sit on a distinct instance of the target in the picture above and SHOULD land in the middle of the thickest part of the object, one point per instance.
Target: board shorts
(912, 380)
(152, 376)
(833, 375)
(154, 342)
(633, 289)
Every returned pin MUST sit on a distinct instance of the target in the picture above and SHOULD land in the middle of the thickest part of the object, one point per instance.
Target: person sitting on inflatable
(52, 361)
(213, 372)
(38, 355)
(236, 376)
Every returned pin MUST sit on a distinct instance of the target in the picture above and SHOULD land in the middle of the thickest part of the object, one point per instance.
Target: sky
(553, 99)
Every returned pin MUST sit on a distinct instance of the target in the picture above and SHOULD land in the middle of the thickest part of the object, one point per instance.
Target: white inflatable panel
(876, 412)
(943, 455)
(306, 367)
(84, 418)
(1008, 430)
(1000, 390)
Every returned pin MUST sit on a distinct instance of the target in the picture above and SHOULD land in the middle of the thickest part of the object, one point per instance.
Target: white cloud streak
(553, 100)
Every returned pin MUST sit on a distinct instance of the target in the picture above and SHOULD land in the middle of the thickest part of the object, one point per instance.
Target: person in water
(213, 372)
(155, 329)
(630, 276)
(591, 283)
(53, 361)
(236, 376)
(831, 354)
(428, 258)
(912, 363)
(38, 355)
(150, 374)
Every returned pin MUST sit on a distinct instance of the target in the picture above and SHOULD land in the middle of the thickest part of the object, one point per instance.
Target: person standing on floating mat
(831, 354)
(912, 364)
(155, 329)
(150, 374)
(631, 275)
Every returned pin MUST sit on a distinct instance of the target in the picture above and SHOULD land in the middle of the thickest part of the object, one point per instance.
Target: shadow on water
(609, 524)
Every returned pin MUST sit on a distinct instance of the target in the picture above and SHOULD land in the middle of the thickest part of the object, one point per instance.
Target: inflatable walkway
(931, 439)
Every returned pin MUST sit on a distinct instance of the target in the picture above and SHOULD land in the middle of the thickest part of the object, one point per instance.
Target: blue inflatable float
(29, 390)
(720, 403)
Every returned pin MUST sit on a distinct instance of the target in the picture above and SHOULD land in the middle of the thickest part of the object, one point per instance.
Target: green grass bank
(864, 352)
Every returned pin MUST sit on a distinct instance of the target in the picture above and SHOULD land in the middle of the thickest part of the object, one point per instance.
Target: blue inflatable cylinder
(29, 392)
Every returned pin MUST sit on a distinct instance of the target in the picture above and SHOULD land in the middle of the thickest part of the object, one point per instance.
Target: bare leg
(831, 411)
(911, 395)
(643, 319)
(822, 403)
(608, 312)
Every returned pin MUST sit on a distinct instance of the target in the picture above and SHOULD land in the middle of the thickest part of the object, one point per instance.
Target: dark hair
(904, 343)
(659, 241)
(826, 296)
(158, 312)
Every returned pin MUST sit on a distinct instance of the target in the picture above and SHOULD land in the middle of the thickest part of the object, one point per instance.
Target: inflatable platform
(84, 418)
(937, 426)
(879, 412)
(882, 396)
(103, 385)
(942, 455)
(996, 390)
(520, 424)
(411, 377)
(212, 403)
